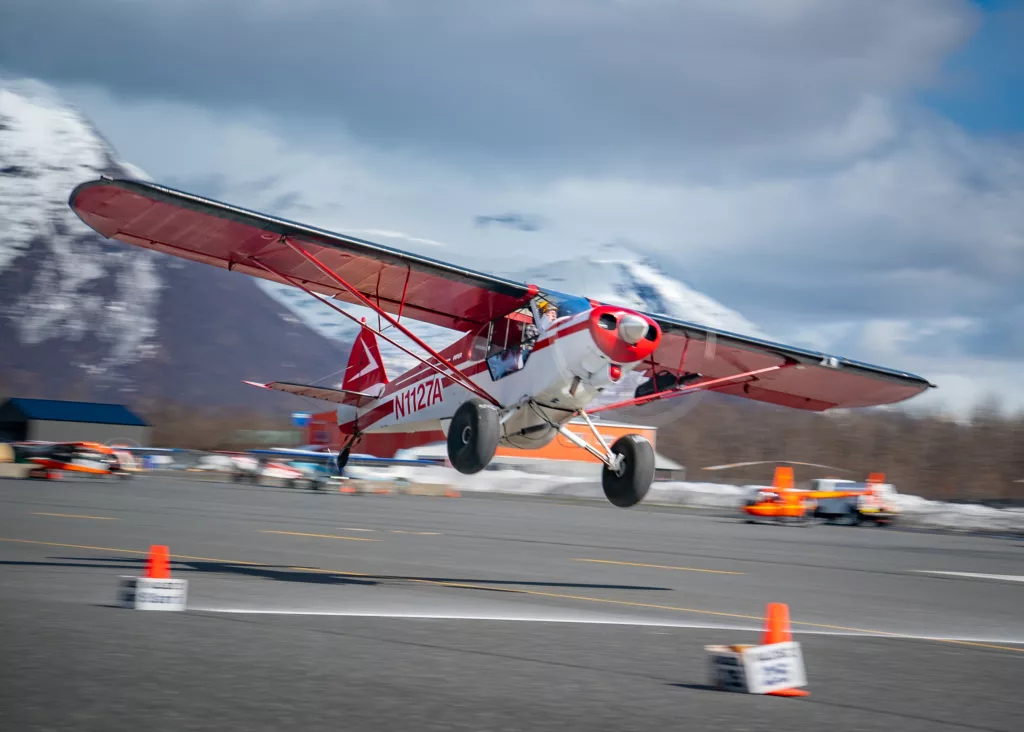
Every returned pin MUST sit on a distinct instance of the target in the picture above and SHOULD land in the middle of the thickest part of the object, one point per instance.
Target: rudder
(365, 371)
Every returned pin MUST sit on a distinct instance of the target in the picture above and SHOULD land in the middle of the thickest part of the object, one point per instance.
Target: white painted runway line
(974, 575)
(539, 617)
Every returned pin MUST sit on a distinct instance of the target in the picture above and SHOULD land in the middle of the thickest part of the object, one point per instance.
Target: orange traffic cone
(783, 478)
(158, 563)
(776, 630)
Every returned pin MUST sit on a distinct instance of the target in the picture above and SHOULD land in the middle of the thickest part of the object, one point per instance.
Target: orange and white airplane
(90, 458)
(785, 503)
(530, 359)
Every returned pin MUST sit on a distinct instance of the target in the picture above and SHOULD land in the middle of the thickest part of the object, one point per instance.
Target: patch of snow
(82, 288)
(924, 513)
(914, 511)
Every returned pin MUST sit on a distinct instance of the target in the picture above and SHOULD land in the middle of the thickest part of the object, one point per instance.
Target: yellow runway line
(76, 515)
(142, 552)
(558, 595)
(315, 570)
(657, 566)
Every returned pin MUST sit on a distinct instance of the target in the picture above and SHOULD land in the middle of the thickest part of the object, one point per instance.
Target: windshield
(566, 304)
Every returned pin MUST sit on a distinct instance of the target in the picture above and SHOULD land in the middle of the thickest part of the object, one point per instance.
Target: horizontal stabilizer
(338, 396)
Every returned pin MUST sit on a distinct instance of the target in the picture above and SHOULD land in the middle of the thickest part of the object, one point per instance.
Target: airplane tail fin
(365, 371)
(363, 381)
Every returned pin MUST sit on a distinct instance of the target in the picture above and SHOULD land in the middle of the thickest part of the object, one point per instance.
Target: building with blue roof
(53, 420)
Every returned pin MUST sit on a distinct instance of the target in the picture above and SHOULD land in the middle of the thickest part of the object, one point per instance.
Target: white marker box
(147, 593)
(757, 669)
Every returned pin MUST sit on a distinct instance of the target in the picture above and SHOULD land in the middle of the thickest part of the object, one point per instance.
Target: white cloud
(770, 153)
(879, 258)
(388, 234)
(713, 86)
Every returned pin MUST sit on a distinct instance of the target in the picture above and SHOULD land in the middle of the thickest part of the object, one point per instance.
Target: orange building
(323, 430)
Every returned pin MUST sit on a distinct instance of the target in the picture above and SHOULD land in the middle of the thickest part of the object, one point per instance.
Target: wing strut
(455, 375)
(709, 385)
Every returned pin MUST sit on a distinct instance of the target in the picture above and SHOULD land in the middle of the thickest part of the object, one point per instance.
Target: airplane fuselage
(571, 363)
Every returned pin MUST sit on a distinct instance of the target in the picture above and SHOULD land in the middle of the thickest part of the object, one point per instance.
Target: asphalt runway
(329, 611)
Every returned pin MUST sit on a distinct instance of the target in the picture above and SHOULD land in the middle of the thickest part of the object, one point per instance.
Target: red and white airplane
(531, 359)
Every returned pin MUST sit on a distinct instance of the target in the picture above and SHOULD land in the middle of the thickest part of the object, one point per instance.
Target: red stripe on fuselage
(421, 372)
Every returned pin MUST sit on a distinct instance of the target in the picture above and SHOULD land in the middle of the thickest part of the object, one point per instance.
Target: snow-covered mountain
(86, 317)
(617, 276)
(59, 282)
(83, 316)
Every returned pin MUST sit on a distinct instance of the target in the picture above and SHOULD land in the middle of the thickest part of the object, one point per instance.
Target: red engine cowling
(624, 336)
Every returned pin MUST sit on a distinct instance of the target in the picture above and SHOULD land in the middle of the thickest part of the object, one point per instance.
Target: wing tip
(84, 185)
(103, 180)
(255, 383)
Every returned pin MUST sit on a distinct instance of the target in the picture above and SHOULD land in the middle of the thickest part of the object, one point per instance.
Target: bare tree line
(223, 428)
(928, 455)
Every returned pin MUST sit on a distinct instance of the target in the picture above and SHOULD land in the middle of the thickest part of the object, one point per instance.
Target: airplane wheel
(473, 436)
(629, 484)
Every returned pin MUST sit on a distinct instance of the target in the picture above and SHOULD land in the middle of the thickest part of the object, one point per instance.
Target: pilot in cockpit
(545, 313)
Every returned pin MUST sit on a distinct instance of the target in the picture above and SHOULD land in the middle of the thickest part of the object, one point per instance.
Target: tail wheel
(473, 436)
(628, 484)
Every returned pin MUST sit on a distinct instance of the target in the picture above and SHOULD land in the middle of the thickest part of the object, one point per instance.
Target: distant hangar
(52, 420)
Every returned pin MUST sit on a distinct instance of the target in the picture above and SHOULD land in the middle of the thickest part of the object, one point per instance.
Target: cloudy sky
(849, 175)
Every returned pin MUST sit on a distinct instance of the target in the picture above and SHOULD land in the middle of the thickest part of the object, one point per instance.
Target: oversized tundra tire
(628, 485)
(473, 436)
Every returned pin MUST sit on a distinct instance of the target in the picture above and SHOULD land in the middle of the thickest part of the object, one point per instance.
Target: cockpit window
(513, 338)
(566, 305)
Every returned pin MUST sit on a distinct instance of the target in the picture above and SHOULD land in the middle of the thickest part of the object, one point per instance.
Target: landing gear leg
(628, 464)
(342, 460)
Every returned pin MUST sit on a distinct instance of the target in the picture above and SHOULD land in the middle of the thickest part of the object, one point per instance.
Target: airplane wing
(338, 396)
(170, 221)
(816, 382)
